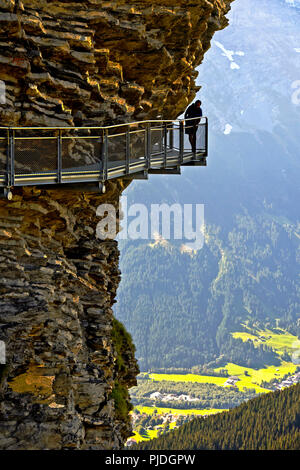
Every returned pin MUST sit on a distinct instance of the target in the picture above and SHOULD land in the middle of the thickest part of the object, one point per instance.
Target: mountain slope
(182, 309)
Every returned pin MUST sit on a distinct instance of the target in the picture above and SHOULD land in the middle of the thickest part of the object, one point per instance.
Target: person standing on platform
(191, 127)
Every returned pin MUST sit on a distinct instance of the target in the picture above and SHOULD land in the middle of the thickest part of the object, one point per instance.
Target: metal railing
(37, 155)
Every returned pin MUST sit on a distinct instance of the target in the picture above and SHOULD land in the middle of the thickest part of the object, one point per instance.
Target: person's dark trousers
(192, 139)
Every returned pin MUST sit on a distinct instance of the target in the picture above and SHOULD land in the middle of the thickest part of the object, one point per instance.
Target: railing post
(59, 157)
(171, 138)
(148, 136)
(161, 132)
(206, 137)
(145, 146)
(165, 137)
(8, 158)
(127, 154)
(181, 141)
(12, 158)
(105, 156)
(100, 154)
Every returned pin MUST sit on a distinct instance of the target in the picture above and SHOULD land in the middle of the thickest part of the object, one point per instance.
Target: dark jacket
(192, 112)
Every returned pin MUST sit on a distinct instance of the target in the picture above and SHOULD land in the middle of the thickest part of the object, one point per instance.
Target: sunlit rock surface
(102, 62)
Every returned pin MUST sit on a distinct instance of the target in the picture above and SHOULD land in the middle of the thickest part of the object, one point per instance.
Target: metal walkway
(39, 156)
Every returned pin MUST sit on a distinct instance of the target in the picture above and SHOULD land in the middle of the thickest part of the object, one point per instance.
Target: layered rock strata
(95, 62)
(69, 363)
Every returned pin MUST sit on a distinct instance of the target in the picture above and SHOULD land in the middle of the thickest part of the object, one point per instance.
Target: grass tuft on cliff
(124, 349)
(122, 404)
(123, 344)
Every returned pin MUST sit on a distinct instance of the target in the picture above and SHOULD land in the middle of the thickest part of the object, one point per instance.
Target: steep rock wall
(69, 363)
(101, 62)
(64, 350)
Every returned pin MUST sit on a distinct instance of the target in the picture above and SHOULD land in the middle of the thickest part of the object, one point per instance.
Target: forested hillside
(186, 306)
(268, 422)
(180, 309)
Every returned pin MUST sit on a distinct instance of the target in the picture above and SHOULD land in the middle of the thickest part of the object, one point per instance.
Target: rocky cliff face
(69, 362)
(96, 62)
(65, 383)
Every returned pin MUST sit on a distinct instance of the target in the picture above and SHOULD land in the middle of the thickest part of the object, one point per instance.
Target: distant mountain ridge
(182, 309)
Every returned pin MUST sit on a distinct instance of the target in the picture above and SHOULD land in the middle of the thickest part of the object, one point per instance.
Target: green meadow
(252, 378)
(248, 378)
(279, 340)
(176, 411)
(153, 433)
(150, 433)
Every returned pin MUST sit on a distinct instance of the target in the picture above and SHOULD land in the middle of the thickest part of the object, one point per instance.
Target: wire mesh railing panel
(174, 137)
(156, 144)
(201, 138)
(80, 153)
(3, 150)
(138, 144)
(35, 154)
(53, 152)
(116, 149)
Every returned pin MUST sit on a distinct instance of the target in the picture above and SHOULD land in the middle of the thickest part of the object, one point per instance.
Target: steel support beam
(165, 171)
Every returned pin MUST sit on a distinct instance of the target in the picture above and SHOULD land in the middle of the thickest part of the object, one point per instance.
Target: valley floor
(166, 401)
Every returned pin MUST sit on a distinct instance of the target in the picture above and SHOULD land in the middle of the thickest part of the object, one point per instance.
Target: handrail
(136, 147)
(100, 127)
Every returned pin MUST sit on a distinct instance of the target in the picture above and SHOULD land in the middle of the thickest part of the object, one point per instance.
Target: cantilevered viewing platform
(64, 155)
